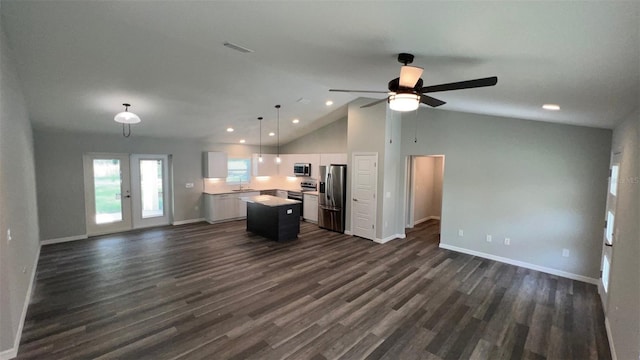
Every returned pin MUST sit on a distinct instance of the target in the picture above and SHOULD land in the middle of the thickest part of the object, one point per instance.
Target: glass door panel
(151, 175)
(107, 190)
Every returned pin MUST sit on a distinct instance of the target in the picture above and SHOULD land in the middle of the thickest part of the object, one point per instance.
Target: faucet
(240, 183)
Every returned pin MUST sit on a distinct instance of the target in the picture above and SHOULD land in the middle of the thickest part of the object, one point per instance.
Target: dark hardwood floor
(205, 291)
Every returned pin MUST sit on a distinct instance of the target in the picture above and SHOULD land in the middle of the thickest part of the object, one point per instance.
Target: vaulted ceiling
(79, 61)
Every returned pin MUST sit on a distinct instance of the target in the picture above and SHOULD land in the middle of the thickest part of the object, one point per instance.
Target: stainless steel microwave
(302, 169)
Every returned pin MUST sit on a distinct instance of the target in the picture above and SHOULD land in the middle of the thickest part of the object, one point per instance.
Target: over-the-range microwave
(302, 169)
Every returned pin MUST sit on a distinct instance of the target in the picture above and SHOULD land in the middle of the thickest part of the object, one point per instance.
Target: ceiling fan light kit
(406, 92)
(404, 102)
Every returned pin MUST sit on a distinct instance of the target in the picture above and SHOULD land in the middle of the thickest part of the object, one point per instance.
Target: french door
(125, 191)
(149, 190)
(609, 229)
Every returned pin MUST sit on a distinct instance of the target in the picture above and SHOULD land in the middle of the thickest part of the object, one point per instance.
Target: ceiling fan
(406, 92)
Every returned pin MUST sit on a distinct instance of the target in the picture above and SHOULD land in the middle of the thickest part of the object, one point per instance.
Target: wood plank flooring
(203, 291)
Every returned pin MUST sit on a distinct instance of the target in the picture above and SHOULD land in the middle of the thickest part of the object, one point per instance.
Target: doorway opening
(424, 198)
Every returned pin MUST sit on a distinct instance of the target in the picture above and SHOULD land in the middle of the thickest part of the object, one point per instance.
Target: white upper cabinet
(267, 167)
(286, 166)
(215, 164)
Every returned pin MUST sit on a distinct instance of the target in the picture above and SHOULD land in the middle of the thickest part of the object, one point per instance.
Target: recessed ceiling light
(329, 103)
(229, 129)
(242, 141)
(552, 107)
(272, 134)
(295, 121)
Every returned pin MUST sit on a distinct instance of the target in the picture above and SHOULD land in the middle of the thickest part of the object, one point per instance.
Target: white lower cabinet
(222, 207)
(310, 210)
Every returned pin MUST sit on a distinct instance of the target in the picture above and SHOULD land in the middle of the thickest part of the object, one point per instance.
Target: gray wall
(543, 185)
(331, 138)
(17, 200)
(60, 174)
(623, 310)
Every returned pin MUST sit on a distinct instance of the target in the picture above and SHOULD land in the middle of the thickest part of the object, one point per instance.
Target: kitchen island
(273, 217)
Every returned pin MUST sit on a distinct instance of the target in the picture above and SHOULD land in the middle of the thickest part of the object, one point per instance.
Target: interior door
(150, 190)
(107, 193)
(609, 229)
(363, 194)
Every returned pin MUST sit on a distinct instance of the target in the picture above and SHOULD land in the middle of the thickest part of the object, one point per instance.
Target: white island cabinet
(310, 204)
(225, 207)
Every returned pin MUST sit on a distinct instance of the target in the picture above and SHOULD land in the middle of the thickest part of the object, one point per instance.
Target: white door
(107, 193)
(150, 190)
(363, 195)
(609, 228)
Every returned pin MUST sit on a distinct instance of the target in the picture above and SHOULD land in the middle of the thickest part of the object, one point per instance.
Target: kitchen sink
(238, 190)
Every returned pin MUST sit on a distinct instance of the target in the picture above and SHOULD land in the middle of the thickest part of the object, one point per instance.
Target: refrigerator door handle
(329, 208)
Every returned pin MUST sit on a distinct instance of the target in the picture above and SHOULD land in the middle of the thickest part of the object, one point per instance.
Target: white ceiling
(80, 60)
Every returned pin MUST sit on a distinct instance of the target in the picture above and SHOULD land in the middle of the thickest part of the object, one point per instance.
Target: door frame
(137, 221)
(353, 177)
(89, 194)
(410, 183)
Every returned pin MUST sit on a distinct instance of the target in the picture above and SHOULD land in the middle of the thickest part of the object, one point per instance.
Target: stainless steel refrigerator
(332, 196)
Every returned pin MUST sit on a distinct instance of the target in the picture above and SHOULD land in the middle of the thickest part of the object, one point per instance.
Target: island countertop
(268, 200)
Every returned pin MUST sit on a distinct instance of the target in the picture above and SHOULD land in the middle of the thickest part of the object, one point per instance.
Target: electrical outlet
(24, 269)
(9, 238)
(507, 241)
(489, 238)
(188, 185)
(197, 207)
(565, 252)
(460, 232)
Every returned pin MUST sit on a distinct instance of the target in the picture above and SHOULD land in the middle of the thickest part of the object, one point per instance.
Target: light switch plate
(289, 211)
(188, 185)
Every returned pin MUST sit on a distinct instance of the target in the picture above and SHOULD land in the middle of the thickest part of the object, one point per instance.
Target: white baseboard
(521, 264)
(63, 239)
(188, 221)
(13, 352)
(389, 238)
(426, 219)
(607, 327)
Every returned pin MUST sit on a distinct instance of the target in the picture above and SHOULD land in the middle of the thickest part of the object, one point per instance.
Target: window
(239, 170)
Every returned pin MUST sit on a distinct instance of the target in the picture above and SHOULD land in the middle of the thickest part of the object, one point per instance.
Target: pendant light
(260, 157)
(278, 160)
(126, 118)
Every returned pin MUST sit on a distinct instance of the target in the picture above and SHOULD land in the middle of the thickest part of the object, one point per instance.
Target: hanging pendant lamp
(260, 157)
(278, 160)
(126, 118)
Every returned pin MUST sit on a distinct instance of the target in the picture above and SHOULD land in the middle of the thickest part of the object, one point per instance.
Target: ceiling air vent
(236, 47)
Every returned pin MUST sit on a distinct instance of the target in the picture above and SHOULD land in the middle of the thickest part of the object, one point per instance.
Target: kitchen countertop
(268, 200)
(233, 192)
(250, 190)
(310, 193)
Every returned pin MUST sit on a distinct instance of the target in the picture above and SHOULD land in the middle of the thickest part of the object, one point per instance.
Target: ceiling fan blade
(433, 102)
(360, 91)
(374, 103)
(490, 81)
(409, 76)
